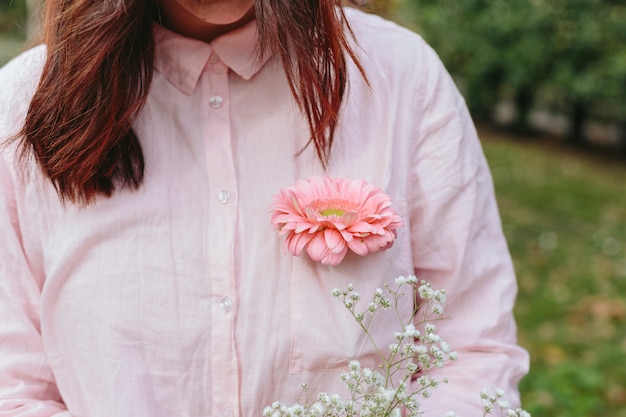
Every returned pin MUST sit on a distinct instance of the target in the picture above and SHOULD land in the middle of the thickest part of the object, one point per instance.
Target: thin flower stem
(369, 336)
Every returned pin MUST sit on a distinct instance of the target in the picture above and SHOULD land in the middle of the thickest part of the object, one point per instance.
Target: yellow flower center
(332, 211)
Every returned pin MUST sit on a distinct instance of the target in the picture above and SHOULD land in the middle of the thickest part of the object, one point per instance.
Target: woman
(140, 274)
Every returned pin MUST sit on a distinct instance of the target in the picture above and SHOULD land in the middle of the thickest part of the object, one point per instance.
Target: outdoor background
(546, 83)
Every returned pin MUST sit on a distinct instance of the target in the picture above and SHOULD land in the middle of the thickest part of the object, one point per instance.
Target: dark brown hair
(97, 77)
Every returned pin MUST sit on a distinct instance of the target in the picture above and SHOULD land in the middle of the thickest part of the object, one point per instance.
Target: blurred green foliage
(567, 55)
(13, 17)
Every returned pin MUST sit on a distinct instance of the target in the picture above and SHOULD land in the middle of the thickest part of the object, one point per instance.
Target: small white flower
(437, 353)
(318, 408)
(354, 365)
(388, 395)
(437, 308)
(411, 331)
(411, 368)
(297, 410)
(401, 280)
(408, 348)
(420, 349)
(504, 404)
(499, 392)
(433, 338)
(440, 296)
(384, 302)
(336, 292)
(425, 292)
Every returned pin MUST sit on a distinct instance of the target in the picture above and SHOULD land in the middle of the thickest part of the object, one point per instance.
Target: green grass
(565, 219)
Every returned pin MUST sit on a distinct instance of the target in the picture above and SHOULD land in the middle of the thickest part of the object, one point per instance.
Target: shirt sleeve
(27, 386)
(458, 245)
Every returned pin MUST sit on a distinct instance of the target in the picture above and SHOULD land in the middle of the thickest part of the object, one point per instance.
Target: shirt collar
(182, 60)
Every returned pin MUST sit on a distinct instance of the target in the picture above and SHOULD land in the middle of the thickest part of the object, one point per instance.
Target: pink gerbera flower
(329, 216)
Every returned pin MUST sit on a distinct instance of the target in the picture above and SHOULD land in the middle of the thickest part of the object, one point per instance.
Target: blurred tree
(385, 8)
(12, 17)
(571, 53)
(589, 71)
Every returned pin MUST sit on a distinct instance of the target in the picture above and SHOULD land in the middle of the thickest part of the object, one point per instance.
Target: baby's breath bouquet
(402, 378)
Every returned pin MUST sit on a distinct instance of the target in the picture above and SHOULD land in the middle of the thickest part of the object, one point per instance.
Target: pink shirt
(179, 299)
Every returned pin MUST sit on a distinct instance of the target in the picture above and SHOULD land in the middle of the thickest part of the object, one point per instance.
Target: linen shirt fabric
(179, 299)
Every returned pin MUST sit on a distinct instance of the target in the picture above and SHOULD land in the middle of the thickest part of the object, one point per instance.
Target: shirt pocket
(324, 334)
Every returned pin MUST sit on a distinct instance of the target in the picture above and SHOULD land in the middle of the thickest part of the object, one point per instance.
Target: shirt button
(216, 101)
(227, 412)
(213, 59)
(224, 196)
(226, 304)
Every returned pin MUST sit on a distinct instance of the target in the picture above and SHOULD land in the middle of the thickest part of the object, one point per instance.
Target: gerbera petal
(352, 191)
(334, 240)
(349, 217)
(347, 236)
(361, 227)
(375, 242)
(302, 227)
(358, 246)
(297, 241)
(317, 248)
(334, 258)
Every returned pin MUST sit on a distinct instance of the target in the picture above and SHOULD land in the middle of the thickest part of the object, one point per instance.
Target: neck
(181, 21)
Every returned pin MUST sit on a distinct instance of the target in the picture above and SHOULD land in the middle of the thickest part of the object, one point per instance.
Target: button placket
(222, 181)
